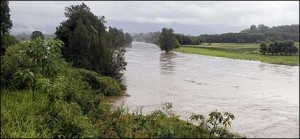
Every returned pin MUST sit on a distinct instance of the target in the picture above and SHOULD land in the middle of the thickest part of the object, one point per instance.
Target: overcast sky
(137, 16)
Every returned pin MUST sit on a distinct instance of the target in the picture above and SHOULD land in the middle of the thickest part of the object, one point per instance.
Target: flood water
(263, 97)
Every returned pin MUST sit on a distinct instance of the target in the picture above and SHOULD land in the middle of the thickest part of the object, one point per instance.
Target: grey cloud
(47, 15)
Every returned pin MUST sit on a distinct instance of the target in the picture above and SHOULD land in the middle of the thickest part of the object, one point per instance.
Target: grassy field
(246, 51)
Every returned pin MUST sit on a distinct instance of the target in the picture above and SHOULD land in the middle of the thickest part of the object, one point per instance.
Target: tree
(294, 50)
(89, 45)
(253, 29)
(117, 37)
(262, 28)
(6, 24)
(263, 48)
(167, 40)
(128, 38)
(36, 34)
(279, 47)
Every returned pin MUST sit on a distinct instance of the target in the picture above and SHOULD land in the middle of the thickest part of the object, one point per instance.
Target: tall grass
(20, 115)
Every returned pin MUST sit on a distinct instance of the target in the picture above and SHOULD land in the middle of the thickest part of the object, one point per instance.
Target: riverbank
(63, 101)
(248, 51)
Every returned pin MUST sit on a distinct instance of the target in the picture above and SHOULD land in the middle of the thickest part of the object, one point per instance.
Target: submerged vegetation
(55, 88)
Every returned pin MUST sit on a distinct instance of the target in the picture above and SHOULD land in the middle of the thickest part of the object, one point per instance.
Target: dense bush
(279, 47)
(101, 84)
(42, 57)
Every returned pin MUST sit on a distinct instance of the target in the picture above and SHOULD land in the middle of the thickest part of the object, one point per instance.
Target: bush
(101, 84)
(66, 120)
(14, 60)
(278, 47)
(39, 56)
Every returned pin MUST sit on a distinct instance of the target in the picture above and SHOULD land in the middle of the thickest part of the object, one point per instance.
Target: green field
(246, 51)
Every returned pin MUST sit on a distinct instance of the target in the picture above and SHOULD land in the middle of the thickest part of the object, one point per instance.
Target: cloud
(46, 15)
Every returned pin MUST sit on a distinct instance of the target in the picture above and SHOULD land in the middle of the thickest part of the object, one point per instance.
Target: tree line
(252, 35)
(278, 47)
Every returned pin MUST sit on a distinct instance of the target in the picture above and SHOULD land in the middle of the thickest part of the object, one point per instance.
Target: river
(263, 97)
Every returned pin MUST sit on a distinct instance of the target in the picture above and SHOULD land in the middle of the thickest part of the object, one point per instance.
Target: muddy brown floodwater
(263, 97)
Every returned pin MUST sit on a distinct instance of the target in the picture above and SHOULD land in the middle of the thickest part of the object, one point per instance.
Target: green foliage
(88, 45)
(5, 21)
(21, 117)
(9, 40)
(6, 25)
(167, 40)
(263, 47)
(36, 34)
(188, 40)
(38, 56)
(42, 53)
(101, 84)
(117, 37)
(128, 38)
(252, 35)
(14, 60)
(24, 78)
(285, 32)
(279, 47)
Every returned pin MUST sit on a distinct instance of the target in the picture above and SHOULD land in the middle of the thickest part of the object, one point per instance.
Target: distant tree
(253, 29)
(262, 28)
(245, 31)
(294, 50)
(36, 34)
(6, 24)
(167, 40)
(128, 38)
(179, 38)
(117, 37)
(279, 47)
(263, 48)
(290, 47)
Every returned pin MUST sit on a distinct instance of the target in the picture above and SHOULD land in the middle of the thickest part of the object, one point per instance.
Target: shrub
(279, 47)
(14, 60)
(101, 84)
(66, 120)
(263, 48)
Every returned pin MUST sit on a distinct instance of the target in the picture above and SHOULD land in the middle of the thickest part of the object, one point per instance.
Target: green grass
(19, 114)
(247, 51)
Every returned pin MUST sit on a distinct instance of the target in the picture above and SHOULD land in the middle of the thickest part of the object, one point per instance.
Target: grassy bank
(239, 51)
